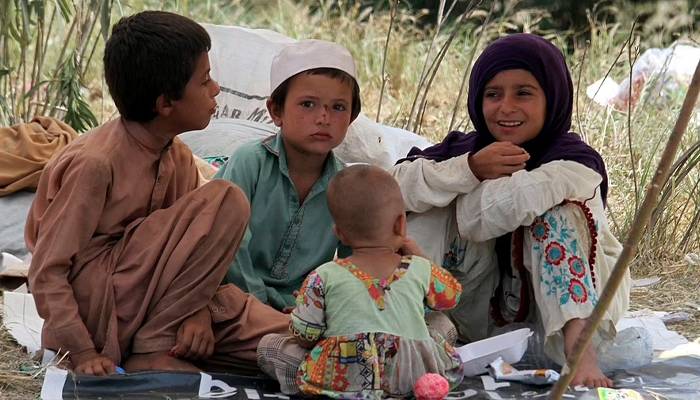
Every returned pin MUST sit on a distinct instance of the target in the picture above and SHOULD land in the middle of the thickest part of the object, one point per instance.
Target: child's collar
(144, 137)
(275, 146)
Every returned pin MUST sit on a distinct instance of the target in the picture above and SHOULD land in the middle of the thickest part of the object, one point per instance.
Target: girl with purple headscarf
(516, 208)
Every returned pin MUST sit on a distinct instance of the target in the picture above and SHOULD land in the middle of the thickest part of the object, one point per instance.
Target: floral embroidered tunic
(567, 246)
(372, 340)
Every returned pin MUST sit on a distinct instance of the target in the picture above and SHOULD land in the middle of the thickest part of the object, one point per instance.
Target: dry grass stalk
(394, 7)
(633, 164)
(437, 61)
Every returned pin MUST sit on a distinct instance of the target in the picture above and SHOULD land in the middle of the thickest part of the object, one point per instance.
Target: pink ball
(431, 387)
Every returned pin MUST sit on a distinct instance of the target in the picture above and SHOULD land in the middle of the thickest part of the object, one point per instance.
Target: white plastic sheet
(22, 320)
(663, 72)
(240, 61)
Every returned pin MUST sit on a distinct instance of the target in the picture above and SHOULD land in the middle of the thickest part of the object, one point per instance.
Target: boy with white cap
(314, 98)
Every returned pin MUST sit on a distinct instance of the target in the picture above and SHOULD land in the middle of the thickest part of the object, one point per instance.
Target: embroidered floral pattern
(592, 230)
(555, 253)
(540, 229)
(565, 273)
(578, 292)
(576, 267)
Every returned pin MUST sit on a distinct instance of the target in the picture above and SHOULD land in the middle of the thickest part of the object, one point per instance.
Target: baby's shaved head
(365, 201)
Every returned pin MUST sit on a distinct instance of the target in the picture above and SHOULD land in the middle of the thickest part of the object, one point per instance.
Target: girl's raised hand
(497, 160)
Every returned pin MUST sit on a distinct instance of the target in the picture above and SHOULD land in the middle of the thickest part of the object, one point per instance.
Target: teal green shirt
(285, 240)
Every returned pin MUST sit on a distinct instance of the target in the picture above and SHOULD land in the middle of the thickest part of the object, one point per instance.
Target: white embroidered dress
(457, 219)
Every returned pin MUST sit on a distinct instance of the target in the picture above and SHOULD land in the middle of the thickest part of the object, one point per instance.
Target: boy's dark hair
(279, 95)
(149, 54)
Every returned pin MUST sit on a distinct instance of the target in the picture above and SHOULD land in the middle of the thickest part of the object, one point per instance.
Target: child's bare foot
(157, 361)
(588, 372)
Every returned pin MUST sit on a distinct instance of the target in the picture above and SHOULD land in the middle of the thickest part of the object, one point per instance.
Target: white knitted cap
(309, 54)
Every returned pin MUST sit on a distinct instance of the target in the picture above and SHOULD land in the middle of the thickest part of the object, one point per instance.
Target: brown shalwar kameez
(126, 247)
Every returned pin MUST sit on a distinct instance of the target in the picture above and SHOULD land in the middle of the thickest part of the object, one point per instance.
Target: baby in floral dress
(363, 317)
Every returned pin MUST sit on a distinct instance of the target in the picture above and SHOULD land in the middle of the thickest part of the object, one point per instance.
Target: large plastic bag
(662, 73)
(240, 61)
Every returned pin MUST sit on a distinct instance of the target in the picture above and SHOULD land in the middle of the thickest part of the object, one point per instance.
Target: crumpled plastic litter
(662, 73)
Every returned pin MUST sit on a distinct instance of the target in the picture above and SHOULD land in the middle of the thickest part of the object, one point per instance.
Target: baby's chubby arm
(308, 320)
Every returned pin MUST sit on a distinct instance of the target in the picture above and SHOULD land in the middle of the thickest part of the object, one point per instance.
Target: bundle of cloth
(26, 147)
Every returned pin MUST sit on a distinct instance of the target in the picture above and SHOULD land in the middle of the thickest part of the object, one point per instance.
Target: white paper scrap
(662, 338)
(464, 394)
(22, 320)
(52, 389)
(491, 384)
(9, 261)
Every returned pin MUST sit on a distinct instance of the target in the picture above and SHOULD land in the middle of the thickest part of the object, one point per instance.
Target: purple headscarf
(546, 63)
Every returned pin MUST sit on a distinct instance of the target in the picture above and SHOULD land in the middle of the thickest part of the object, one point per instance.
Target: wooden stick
(630, 248)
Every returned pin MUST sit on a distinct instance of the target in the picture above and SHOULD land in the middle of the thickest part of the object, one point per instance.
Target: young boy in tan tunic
(128, 251)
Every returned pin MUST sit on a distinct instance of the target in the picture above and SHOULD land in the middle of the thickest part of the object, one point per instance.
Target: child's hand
(93, 364)
(497, 160)
(195, 337)
(410, 248)
(289, 309)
